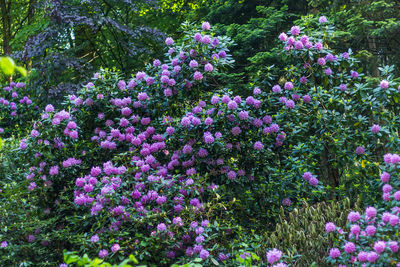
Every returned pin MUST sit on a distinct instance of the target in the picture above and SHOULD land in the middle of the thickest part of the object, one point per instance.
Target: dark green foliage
(370, 27)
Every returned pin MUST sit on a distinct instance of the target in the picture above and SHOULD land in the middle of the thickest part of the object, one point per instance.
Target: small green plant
(301, 232)
(72, 257)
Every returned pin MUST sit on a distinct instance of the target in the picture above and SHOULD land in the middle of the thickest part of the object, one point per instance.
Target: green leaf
(96, 262)
(21, 70)
(215, 261)
(71, 259)
(125, 263)
(7, 65)
(197, 260)
(133, 259)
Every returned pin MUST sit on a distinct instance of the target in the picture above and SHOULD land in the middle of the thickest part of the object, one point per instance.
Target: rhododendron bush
(170, 168)
(122, 163)
(372, 237)
(337, 118)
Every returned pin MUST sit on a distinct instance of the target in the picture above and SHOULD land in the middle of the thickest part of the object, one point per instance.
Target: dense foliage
(247, 143)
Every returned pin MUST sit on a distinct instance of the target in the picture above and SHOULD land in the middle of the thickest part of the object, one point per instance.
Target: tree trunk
(31, 11)
(6, 29)
(31, 14)
(374, 61)
(331, 174)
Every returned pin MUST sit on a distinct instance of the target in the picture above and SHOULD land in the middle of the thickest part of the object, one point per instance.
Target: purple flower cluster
(13, 106)
(274, 256)
(311, 179)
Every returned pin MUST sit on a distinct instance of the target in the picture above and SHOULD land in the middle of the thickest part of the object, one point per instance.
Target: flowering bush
(335, 118)
(135, 179)
(371, 237)
(165, 158)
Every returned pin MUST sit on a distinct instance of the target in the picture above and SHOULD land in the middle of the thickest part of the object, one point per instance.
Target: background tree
(253, 26)
(371, 28)
(15, 15)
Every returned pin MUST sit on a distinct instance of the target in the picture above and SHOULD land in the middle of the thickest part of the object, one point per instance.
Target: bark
(31, 11)
(6, 29)
(331, 173)
(31, 14)
(374, 61)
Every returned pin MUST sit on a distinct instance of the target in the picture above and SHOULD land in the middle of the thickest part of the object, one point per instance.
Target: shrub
(335, 118)
(68, 143)
(372, 236)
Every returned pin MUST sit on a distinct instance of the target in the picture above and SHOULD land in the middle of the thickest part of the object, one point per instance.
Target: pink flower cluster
(372, 236)
(274, 258)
